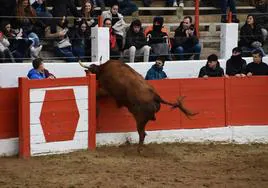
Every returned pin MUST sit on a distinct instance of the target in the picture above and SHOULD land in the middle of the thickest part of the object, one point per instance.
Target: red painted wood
(9, 113)
(205, 96)
(92, 112)
(247, 101)
(59, 115)
(24, 118)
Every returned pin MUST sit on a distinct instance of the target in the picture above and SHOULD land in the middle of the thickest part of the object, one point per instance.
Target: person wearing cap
(257, 67)
(38, 72)
(212, 68)
(156, 71)
(236, 66)
(136, 44)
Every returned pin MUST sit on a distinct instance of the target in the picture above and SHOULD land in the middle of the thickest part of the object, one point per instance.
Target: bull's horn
(82, 65)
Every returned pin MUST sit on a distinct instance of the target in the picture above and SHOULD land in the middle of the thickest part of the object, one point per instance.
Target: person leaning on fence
(136, 44)
(212, 68)
(257, 67)
(236, 66)
(186, 43)
(38, 72)
(156, 71)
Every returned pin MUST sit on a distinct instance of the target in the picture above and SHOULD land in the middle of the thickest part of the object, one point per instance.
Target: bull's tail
(179, 104)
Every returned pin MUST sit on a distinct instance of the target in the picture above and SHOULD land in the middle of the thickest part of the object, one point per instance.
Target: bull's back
(120, 80)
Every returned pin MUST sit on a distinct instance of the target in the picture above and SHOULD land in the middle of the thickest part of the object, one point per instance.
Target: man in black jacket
(136, 44)
(257, 67)
(186, 43)
(212, 68)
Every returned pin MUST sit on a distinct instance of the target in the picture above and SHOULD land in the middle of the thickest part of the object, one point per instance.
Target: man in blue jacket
(38, 72)
(156, 71)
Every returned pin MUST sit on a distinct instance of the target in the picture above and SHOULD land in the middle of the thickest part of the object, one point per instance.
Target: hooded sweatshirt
(206, 70)
(156, 34)
(235, 65)
(155, 73)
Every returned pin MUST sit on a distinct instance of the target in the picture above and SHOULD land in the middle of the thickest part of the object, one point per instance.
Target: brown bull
(131, 90)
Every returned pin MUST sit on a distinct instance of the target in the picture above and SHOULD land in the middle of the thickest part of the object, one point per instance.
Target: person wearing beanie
(236, 66)
(212, 68)
(156, 71)
(136, 44)
(257, 67)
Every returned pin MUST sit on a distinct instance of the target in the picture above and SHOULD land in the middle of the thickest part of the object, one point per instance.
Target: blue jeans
(79, 52)
(66, 53)
(185, 53)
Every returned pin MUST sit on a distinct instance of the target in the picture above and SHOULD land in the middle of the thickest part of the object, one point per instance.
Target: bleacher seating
(209, 18)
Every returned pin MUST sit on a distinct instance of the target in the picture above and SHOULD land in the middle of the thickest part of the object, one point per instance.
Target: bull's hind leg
(141, 123)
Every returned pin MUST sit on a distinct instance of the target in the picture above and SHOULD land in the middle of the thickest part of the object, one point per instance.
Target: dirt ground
(166, 165)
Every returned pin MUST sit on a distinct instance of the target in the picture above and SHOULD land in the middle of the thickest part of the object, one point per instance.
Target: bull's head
(92, 69)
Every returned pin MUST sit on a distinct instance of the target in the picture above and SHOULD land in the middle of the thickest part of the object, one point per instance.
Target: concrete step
(173, 19)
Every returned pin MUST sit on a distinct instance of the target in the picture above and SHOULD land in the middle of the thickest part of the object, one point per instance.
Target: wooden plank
(37, 95)
(80, 142)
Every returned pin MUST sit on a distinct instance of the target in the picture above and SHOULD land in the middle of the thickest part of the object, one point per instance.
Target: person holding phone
(186, 43)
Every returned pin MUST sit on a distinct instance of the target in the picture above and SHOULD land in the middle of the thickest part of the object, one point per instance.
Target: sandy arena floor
(166, 165)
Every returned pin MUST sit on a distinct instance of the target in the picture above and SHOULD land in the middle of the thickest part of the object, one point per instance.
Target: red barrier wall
(8, 113)
(247, 101)
(219, 101)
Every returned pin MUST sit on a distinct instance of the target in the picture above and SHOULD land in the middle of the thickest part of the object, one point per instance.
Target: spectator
(212, 68)
(30, 25)
(7, 10)
(63, 46)
(88, 14)
(257, 67)
(118, 22)
(96, 3)
(174, 3)
(5, 54)
(60, 9)
(38, 72)
(157, 38)
(136, 43)
(262, 17)
(114, 47)
(81, 42)
(41, 11)
(224, 5)
(250, 36)
(156, 71)
(236, 66)
(186, 43)
(127, 7)
(18, 46)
